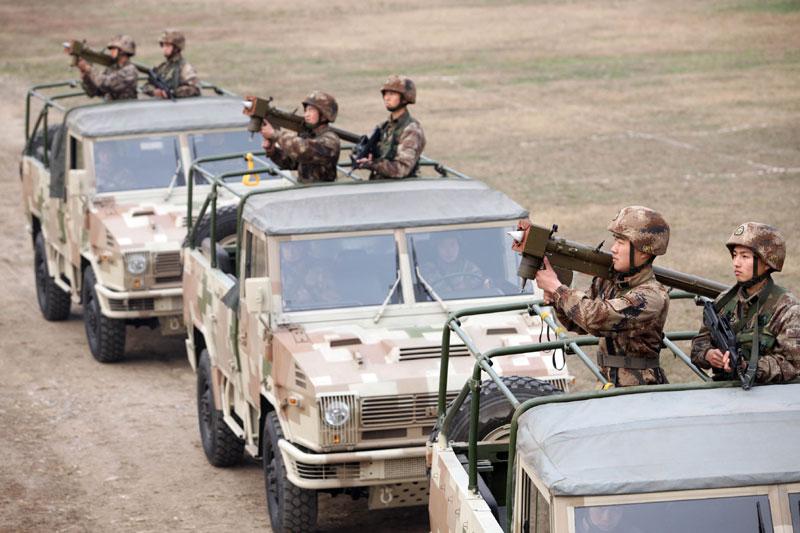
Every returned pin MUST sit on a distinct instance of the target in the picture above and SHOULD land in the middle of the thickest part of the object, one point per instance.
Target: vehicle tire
(106, 335)
(53, 302)
(220, 444)
(226, 227)
(494, 420)
(291, 509)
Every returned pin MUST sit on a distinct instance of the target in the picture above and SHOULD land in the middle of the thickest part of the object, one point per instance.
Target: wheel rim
(205, 412)
(498, 434)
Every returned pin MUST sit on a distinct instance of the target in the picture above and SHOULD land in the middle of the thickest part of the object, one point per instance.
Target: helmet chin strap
(756, 278)
(634, 269)
(397, 107)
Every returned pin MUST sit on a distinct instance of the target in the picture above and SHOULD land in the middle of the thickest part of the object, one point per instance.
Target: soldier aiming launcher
(260, 109)
(537, 242)
(78, 49)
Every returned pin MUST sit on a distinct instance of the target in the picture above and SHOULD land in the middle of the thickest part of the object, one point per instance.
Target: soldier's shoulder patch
(739, 230)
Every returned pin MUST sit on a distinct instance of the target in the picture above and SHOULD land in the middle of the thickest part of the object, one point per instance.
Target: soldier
(118, 80)
(402, 139)
(628, 312)
(179, 73)
(450, 271)
(757, 250)
(314, 153)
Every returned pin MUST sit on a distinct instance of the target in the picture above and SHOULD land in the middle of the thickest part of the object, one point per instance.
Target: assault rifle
(78, 49)
(723, 339)
(260, 109)
(366, 146)
(537, 242)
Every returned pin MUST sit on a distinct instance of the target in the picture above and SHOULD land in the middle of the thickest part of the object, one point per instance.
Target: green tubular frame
(483, 363)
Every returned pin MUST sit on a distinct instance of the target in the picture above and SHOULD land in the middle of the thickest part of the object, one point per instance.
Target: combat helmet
(402, 85)
(124, 43)
(646, 230)
(325, 102)
(173, 37)
(767, 244)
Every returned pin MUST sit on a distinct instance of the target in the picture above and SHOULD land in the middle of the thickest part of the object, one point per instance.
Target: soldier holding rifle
(314, 153)
(118, 80)
(765, 317)
(627, 313)
(179, 74)
(401, 137)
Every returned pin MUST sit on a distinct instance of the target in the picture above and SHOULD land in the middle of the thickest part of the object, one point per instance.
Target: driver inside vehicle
(110, 173)
(607, 518)
(450, 270)
(304, 278)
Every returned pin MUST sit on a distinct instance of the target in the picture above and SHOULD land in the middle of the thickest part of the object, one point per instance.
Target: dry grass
(574, 108)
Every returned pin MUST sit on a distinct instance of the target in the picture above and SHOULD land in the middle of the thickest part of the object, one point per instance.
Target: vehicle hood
(138, 225)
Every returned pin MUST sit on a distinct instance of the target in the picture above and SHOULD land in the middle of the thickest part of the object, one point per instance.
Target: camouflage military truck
(105, 195)
(704, 456)
(316, 339)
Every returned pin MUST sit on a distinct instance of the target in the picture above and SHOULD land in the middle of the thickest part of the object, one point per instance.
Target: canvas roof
(664, 441)
(379, 205)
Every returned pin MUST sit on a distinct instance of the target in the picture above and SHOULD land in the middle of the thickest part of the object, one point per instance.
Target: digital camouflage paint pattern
(776, 364)
(629, 313)
(313, 154)
(116, 82)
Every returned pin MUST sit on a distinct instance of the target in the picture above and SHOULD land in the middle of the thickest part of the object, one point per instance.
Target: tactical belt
(635, 363)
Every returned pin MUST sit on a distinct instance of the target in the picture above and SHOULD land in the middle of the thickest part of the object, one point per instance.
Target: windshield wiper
(177, 170)
(394, 286)
(421, 280)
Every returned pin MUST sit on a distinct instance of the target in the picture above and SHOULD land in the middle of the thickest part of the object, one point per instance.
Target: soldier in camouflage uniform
(179, 73)
(118, 80)
(402, 139)
(314, 153)
(627, 313)
(757, 251)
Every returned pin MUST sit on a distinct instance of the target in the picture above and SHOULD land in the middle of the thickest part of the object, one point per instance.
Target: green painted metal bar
(443, 367)
(580, 396)
(678, 352)
(213, 233)
(472, 454)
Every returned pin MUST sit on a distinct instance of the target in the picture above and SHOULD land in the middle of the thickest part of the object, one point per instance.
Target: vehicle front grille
(328, 471)
(401, 410)
(560, 383)
(167, 264)
(409, 467)
(431, 352)
(139, 304)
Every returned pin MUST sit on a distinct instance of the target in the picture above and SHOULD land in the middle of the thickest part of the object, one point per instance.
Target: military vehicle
(702, 456)
(316, 338)
(104, 192)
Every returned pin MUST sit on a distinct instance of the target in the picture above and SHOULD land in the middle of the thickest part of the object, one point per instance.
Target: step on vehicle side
(317, 338)
(703, 456)
(105, 196)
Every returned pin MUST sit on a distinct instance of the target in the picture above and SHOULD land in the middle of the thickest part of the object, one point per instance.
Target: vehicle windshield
(140, 163)
(741, 514)
(794, 509)
(339, 272)
(216, 143)
(465, 263)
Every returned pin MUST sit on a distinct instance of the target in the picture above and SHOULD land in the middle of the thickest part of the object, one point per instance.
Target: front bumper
(140, 304)
(352, 469)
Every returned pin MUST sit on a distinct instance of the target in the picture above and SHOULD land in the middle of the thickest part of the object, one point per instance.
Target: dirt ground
(574, 108)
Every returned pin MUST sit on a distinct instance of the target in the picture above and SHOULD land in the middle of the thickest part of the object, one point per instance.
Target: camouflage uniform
(179, 73)
(314, 154)
(117, 81)
(628, 313)
(778, 313)
(402, 139)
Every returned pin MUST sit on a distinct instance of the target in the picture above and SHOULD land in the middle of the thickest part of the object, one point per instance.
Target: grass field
(574, 108)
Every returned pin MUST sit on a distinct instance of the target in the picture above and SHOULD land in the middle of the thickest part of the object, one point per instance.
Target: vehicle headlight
(337, 414)
(137, 264)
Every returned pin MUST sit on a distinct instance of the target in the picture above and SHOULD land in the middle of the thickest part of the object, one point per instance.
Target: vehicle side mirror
(77, 182)
(257, 294)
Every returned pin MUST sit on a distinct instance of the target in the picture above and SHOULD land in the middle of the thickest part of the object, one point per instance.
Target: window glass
(141, 163)
(225, 142)
(259, 261)
(743, 514)
(535, 508)
(794, 508)
(466, 263)
(339, 272)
